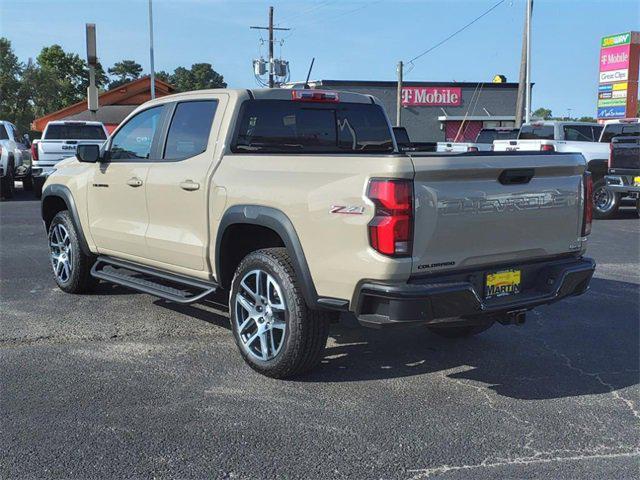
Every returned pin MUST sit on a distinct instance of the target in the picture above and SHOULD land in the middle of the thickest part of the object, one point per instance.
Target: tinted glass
(620, 130)
(530, 132)
(189, 130)
(133, 141)
(3, 133)
(578, 133)
(75, 132)
(286, 126)
(402, 137)
(488, 136)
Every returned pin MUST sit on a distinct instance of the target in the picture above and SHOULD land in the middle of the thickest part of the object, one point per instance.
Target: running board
(168, 286)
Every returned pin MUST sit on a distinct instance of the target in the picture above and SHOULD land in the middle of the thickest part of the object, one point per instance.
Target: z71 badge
(347, 209)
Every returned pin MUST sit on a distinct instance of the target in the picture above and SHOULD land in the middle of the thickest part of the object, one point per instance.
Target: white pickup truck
(590, 139)
(60, 140)
(15, 159)
(484, 141)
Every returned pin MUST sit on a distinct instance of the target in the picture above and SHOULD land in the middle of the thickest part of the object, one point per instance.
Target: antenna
(306, 82)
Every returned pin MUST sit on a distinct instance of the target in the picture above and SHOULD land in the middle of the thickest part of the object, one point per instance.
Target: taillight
(314, 96)
(34, 151)
(391, 229)
(610, 161)
(472, 149)
(547, 148)
(587, 216)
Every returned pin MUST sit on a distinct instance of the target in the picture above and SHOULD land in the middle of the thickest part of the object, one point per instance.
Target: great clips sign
(431, 96)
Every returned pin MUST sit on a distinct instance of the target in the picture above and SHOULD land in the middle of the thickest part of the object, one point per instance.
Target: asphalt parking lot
(121, 385)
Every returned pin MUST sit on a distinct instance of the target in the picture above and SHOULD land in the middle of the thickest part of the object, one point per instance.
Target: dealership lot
(118, 384)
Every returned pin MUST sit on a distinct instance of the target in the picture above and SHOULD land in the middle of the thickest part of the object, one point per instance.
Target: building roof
(107, 114)
(130, 94)
(394, 84)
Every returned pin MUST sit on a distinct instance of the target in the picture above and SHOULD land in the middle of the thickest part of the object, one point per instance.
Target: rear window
(620, 130)
(74, 132)
(279, 126)
(189, 130)
(581, 133)
(488, 136)
(3, 133)
(536, 132)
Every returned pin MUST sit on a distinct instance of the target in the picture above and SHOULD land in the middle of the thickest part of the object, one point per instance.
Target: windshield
(620, 130)
(287, 126)
(74, 132)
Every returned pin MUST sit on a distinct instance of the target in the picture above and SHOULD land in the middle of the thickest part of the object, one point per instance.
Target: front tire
(71, 266)
(277, 334)
(605, 202)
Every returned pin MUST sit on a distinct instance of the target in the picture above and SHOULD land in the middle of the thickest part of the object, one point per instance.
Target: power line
(486, 12)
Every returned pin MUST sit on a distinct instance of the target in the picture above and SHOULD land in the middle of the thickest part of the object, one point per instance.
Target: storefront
(439, 111)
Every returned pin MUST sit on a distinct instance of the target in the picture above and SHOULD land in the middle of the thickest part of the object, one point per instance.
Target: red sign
(614, 58)
(431, 96)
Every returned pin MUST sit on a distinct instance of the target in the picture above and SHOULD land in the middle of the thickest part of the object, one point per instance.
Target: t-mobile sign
(431, 96)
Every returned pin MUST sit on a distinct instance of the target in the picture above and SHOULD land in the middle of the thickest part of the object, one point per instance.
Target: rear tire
(71, 266)
(605, 202)
(277, 334)
(461, 331)
(7, 186)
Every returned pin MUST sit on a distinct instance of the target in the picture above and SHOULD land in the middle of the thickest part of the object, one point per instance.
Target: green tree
(543, 113)
(587, 119)
(199, 77)
(10, 72)
(125, 72)
(63, 76)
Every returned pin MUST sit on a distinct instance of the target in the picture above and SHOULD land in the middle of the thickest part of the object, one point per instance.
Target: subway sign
(431, 96)
(618, 75)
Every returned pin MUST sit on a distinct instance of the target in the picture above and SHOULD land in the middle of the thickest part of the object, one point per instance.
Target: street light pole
(153, 73)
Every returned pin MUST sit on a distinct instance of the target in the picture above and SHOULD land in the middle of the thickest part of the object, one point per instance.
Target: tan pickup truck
(297, 205)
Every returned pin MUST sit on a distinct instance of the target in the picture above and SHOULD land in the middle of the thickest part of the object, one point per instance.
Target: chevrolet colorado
(296, 205)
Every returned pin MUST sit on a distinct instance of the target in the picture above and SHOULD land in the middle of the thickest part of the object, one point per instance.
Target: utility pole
(399, 96)
(527, 103)
(524, 80)
(271, 29)
(153, 73)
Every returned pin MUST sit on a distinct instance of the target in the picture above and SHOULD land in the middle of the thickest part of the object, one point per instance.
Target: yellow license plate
(505, 282)
(636, 181)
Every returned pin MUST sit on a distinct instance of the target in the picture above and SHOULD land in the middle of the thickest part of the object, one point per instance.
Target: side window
(578, 133)
(3, 133)
(133, 141)
(189, 130)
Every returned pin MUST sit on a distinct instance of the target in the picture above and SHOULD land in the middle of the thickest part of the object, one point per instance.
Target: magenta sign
(431, 96)
(614, 58)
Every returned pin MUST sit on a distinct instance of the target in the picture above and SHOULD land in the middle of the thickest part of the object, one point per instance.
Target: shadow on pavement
(560, 352)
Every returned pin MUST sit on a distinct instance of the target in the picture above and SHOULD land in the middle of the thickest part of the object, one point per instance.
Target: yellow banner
(620, 86)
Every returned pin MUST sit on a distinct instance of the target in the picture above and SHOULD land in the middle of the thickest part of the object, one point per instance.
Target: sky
(350, 39)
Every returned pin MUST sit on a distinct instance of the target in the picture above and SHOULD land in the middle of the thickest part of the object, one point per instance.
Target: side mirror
(88, 153)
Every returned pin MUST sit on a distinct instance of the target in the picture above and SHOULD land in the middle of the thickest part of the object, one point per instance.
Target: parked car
(15, 159)
(624, 169)
(483, 143)
(297, 205)
(60, 140)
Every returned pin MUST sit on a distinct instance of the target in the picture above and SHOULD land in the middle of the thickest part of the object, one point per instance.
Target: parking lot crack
(538, 458)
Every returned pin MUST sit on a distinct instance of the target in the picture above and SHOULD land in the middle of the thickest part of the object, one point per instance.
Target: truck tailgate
(518, 145)
(482, 209)
(55, 150)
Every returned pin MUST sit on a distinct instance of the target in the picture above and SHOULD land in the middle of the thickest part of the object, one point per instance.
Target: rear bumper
(622, 183)
(431, 299)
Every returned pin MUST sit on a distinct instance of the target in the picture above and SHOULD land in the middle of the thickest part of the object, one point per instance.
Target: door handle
(134, 182)
(189, 185)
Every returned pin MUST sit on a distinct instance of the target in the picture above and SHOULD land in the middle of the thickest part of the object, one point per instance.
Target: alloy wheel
(260, 315)
(61, 252)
